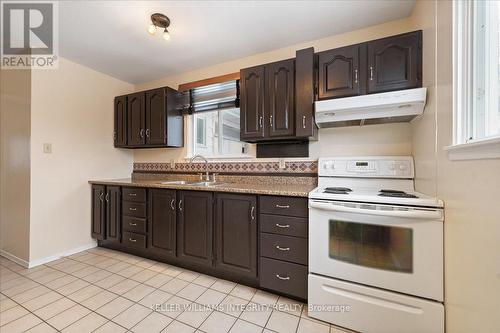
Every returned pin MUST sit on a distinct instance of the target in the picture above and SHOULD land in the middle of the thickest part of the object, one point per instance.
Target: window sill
(477, 150)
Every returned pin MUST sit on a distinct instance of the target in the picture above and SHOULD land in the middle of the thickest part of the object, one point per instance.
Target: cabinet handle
(180, 205)
(303, 122)
(132, 209)
(252, 213)
(283, 207)
(147, 132)
(270, 121)
(101, 196)
(141, 132)
(371, 73)
(282, 248)
(132, 194)
(282, 225)
(260, 121)
(132, 240)
(282, 278)
(132, 224)
(114, 135)
(355, 76)
(172, 204)
(107, 197)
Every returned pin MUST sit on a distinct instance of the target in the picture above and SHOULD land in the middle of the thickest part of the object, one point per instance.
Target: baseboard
(14, 258)
(41, 261)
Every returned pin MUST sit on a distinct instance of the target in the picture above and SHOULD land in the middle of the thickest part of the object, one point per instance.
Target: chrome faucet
(207, 175)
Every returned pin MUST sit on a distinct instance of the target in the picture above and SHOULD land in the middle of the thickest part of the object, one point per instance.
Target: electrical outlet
(282, 163)
(172, 164)
(47, 148)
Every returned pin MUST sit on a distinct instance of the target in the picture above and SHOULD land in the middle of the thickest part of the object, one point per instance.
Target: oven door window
(381, 247)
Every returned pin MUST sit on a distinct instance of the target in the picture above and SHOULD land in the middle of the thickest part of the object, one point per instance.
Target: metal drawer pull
(303, 121)
(271, 121)
(252, 213)
(355, 76)
(281, 206)
(132, 224)
(141, 133)
(132, 240)
(282, 248)
(371, 73)
(101, 196)
(132, 209)
(107, 197)
(282, 225)
(282, 278)
(180, 205)
(132, 194)
(172, 204)
(260, 122)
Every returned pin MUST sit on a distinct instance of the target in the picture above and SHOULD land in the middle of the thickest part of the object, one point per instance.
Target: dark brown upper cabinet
(136, 119)
(98, 212)
(120, 122)
(305, 127)
(162, 222)
(153, 119)
(252, 84)
(113, 212)
(195, 223)
(280, 95)
(395, 62)
(236, 234)
(341, 72)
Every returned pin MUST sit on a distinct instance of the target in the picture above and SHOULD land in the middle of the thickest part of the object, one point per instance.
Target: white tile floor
(101, 290)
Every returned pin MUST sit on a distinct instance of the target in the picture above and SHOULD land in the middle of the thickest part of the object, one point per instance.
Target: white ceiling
(112, 37)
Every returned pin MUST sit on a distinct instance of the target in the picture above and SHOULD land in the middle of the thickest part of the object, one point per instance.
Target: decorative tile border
(295, 167)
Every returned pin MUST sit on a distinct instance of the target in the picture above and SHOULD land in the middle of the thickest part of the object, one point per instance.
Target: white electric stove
(375, 247)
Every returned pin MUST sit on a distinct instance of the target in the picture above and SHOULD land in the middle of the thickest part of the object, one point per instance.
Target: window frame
(465, 146)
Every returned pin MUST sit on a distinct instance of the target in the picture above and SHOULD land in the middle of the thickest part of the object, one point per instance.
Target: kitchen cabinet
(153, 119)
(106, 212)
(162, 222)
(341, 72)
(395, 62)
(120, 122)
(305, 126)
(236, 234)
(280, 95)
(252, 85)
(381, 65)
(195, 223)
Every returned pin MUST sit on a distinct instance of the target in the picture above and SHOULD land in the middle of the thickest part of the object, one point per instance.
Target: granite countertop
(295, 190)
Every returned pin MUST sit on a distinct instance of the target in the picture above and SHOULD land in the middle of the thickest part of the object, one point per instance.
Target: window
(476, 62)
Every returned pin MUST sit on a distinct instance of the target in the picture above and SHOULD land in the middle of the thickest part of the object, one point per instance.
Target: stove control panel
(369, 167)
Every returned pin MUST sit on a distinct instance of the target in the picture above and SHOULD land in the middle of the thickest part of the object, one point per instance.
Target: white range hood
(389, 107)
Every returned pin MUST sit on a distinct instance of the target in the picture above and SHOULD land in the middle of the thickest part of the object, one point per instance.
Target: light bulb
(166, 34)
(152, 29)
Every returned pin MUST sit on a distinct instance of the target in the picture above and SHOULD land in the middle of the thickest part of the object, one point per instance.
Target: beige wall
(15, 162)
(470, 190)
(70, 108)
(369, 140)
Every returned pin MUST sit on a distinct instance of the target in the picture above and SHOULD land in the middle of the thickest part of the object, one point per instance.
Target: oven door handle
(414, 213)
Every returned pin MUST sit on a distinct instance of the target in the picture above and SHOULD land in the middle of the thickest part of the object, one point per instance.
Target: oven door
(392, 247)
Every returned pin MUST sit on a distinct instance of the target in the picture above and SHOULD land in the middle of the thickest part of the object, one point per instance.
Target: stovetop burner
(395, 194)
(337, 190)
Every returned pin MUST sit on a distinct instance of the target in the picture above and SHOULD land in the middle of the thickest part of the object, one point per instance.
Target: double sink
(192, 183)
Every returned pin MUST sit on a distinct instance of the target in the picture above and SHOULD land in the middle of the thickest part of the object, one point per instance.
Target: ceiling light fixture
(159, 21)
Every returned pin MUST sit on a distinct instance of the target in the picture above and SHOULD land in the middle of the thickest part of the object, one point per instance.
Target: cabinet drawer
(134, 209)
(283, 277)
(286, 248)
(134, 194)
(134, 224)
(289, 206)
(134, 240)
(284, 225)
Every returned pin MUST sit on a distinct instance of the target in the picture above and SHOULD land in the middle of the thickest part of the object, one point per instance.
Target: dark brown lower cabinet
(113, 212)
(236, 234)
(162, 222)
(195, 223)
(98, 212)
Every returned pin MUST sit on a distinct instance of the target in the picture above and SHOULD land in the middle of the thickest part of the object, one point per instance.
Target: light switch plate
(172, 164)
(47, 148)
(282, 163)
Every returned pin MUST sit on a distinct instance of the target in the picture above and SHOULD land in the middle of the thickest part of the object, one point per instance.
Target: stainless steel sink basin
(207, 183)
(176, 182)
(192, 183)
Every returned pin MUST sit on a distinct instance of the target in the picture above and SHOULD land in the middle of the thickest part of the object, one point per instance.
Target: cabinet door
(155, 117)
(236, 234)
(304, 93)
(340, 73)
(395, 63)
(280, 105)
(195, 209)
(98, 212)
(136, 120)
(113, 212)
(162, 219)
(252, 82)
(120, 121)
